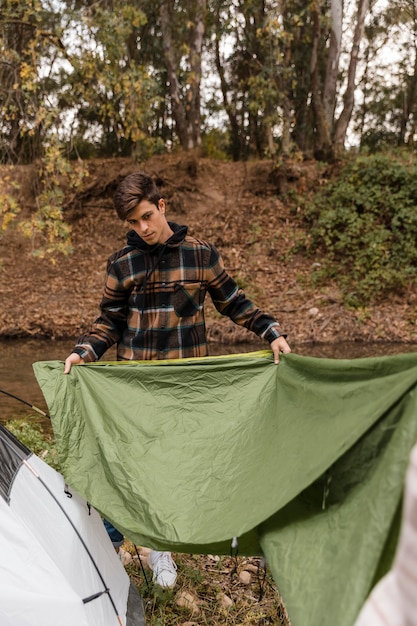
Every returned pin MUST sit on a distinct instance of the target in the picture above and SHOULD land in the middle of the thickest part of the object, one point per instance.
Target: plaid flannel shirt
(153, 301)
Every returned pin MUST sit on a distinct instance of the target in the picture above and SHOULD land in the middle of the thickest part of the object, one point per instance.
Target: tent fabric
(304, 462)
(395, 596)
(54, 551)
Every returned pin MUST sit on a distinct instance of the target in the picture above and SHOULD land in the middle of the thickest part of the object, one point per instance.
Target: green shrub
(364, 227)
(215, 143)
(33, 436)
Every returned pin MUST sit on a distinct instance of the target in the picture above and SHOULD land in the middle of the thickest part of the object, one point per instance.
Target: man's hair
(132, 190)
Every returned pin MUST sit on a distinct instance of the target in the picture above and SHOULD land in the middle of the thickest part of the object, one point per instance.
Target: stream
(17, 356)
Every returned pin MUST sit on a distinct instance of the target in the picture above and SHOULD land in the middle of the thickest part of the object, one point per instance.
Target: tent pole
(106, 589)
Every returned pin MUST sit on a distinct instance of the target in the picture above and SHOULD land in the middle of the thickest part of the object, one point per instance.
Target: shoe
(164, 568)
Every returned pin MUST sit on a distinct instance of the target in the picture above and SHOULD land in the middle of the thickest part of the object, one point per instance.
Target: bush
(365, 225)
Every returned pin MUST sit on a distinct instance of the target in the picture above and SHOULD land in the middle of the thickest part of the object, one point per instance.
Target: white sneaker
(164, 568)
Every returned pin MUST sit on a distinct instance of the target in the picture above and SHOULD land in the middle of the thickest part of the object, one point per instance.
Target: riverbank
(238, 207)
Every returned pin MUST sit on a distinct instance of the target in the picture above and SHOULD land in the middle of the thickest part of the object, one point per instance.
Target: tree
(29, 43)
(109, 94)
(342, 123)
(220, 27)
(324, 91)
(330, 133)
(386, 115)
(244, 39)
(404, 14)
(182, 26)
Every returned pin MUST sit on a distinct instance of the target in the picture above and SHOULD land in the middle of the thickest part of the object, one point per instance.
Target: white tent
(57, 564)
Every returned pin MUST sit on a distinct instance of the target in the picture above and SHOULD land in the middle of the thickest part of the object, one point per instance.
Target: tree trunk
(185, 99)
(349, 97)
(283, 81)
(235, 132)
(409, 106)
(193, 108)
(322, 143)
(332, 69)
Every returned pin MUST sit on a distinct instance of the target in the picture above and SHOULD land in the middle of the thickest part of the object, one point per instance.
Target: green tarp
(303, 462)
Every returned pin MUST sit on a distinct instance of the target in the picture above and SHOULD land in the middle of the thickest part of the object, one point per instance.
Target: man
(153, 300)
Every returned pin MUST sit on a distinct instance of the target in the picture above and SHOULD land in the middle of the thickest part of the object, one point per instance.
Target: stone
(188, 601)
(249, 567)
(225, 601)
(245, 577)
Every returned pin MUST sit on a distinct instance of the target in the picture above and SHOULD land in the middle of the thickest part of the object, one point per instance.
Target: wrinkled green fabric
(304, 461)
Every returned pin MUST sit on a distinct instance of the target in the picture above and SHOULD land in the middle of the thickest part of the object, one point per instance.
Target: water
(17, 357)
(16, 373)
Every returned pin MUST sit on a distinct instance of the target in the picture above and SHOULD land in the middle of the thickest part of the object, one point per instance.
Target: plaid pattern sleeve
(108, 328)
(231, 301)
(153, 303)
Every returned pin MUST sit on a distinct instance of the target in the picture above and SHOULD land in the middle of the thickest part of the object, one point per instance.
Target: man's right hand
(73, 359)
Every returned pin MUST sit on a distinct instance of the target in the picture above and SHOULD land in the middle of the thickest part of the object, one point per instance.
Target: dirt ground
(236, 206)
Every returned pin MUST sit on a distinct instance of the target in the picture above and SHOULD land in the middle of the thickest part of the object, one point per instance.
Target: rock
(188, 601)
(250, 567)
(224, 600)
(245, 577)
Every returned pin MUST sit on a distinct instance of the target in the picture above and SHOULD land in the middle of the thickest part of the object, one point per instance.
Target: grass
(211, 590)
(31, 433)
(214, 593)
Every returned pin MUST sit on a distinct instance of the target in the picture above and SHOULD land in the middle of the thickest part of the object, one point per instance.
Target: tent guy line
(32, 406)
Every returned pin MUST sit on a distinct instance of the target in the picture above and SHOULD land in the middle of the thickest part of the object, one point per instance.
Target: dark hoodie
(177, 237)
(155, 253)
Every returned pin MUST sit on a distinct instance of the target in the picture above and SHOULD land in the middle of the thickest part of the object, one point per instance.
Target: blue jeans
(116, 537)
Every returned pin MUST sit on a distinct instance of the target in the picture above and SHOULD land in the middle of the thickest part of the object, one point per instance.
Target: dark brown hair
(132, 190)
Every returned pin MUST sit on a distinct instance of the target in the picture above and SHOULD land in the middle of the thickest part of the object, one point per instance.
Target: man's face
(149, 222)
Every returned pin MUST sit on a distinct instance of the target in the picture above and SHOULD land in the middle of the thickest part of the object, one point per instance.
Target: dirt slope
(237, 207)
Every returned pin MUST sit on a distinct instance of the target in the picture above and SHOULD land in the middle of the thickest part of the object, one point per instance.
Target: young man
(153, 300)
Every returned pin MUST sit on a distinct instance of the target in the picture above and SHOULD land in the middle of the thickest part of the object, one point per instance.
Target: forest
(296, 87)
(238, 78)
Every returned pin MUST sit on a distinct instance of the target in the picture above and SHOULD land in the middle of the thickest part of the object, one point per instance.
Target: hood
(177, 237)
(153, 254)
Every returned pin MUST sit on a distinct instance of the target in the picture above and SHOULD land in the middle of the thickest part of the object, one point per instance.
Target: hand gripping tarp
(304, 461)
